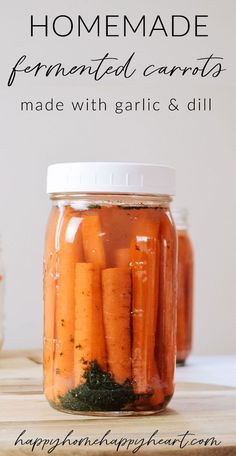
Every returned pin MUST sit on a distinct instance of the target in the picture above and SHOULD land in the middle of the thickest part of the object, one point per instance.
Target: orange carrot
(116, 227)
(92, 240)
(144, 262)
(181, 315)
(70, 253)
(122, 258)
(116, 285)
(139, 352)
(189, 294)
(157, 397)
(145, 226)
(166, 342)
(89, 328)
(189, 287)
(181, 302)
(185, 296)
(50, 256)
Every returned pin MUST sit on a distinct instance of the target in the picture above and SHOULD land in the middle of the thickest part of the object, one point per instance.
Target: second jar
(109, 289)
(185, 287)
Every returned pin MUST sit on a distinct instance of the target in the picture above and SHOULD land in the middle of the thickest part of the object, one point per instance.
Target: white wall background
(201, 146)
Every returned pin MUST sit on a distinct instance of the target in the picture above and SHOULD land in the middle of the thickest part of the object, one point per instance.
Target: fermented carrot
(157, 397)
(50, 256)
(144, 261)
(116, 227)
(182, 310)
(93, 245)
(185, 296)
(116, 286)
(70, 253)
(89, 327)
(145, 226)
(181, 314)
(166, 337)
(122, 258)
(190, 294)
(139, 353)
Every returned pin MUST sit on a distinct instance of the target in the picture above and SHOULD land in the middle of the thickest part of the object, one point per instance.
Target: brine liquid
(109, 297)
(184, 297)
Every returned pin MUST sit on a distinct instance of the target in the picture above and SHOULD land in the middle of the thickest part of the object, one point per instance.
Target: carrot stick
(189, 294)
(181, 301)
(145, 307)
(157, 397)
(185, 296)
(181, 315)
(166, 342)
(116, 285)
(122, 258)
(116, 227)
(50, 256)
(89, 328)
(155, 380)
(70, 253)
(145, 224)
(139, 352)
(92, 240)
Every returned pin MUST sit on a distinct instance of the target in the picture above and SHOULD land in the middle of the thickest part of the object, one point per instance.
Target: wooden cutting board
(203, 410)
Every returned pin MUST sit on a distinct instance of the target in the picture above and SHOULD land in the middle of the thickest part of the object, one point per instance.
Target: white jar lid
(109, 177)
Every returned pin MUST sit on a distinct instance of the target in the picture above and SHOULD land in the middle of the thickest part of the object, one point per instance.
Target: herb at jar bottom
(99, 392)
(94, 206)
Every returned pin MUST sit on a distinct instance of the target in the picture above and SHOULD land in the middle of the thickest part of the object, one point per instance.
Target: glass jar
(1, 296)
(109, 289)
(185, 287)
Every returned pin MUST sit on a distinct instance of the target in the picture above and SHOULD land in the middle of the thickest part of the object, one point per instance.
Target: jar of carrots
(1, 296)
(185, 287)
(110, 288)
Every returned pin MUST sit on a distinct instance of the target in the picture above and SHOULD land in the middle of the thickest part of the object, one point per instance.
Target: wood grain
(205, 410)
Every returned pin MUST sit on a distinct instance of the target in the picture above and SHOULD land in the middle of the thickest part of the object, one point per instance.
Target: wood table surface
(204, 406)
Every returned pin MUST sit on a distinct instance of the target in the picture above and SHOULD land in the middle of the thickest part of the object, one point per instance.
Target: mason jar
(1, 297)
(185, 287)
(109, 288)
